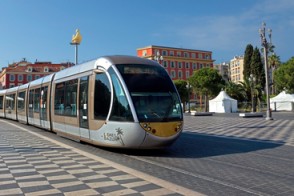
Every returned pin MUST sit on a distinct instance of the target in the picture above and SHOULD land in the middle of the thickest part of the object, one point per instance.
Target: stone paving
(280, 130)
(30, 165)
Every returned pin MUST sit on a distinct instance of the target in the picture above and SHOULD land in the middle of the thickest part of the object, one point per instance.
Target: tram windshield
(153, 93)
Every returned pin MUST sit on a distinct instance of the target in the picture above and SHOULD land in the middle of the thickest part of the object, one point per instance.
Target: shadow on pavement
(201, 145)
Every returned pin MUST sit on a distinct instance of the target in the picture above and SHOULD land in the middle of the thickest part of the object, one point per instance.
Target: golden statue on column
(77, 38)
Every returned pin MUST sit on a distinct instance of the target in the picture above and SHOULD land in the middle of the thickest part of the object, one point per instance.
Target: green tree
(207, 82)
(274, 62)
(284, 76)
(258, 73)
(181, 86)
(247, 61)
(234, 90)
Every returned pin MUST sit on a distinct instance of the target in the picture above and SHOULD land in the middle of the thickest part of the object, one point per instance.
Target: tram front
(155, 101)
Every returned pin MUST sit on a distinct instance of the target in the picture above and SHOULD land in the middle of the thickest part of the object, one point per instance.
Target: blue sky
(42, 30)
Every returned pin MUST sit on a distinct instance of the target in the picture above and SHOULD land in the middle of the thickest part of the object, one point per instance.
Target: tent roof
(223, 96)
(283, 97)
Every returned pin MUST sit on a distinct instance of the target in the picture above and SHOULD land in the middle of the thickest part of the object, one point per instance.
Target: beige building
(236, 69)
(223, 70)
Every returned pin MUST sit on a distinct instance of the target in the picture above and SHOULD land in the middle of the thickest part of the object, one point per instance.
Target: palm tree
(234, 90)
(274, 62)
(246, 92)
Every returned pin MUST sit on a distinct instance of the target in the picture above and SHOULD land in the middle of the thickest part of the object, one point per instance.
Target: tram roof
(105, 62)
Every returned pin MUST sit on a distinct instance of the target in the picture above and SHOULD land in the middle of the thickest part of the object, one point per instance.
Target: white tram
(113, 101)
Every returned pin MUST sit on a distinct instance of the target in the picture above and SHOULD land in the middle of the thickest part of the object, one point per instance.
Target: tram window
(43, 102)
(70, 108)
(83, 106)
(102, 96)
(1, 102)
(21, 101)
(10, 101)
(31, 99)
(36, 103)
(66, 98)
(59, 99)
(120, 110)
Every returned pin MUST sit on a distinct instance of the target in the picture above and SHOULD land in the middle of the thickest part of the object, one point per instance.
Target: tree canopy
(247, 61)
(207, 82)
(284, 76)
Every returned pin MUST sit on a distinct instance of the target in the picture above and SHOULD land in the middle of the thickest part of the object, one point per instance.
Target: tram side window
(10, 101)
(36, 103)
(71, 98)
(31, 99)
(102, 96)
(59, 99)
(43, 102)
(21, 101)
(1, 102)
(66, 98)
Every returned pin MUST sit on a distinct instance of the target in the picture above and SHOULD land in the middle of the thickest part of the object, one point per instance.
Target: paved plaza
(36, 162)
(31, 164)
(279, 130)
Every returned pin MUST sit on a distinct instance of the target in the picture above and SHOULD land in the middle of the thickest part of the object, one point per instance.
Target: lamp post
(266, 47)
(76, 40)
(252, 80)
(158, 57)
(188, 86)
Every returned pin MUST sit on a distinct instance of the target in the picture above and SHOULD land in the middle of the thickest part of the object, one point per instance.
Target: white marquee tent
(282, 102)
(223, 103)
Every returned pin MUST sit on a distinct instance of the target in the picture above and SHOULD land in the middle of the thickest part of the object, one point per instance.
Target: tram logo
(115, 136)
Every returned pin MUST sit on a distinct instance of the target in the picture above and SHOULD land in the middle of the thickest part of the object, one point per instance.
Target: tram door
(83, 107)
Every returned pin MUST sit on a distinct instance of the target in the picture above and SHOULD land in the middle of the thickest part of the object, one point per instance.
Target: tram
(112, 101)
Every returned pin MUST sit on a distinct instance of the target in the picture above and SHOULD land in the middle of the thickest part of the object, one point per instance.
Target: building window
(187, 74)
(180, 65)
(173, 74)
(11, 85)
(180, 74)
(193, 55)
(171, 53)
(194, 66)
(46, 69)
(144, 52)
(11, 77)
(200, 65)
(172, 64)
(187, 65)
(37, 77)
(30, 69)
(200, 56)
(20, 77)
(164, 53)
(186, 54)
(165, 64)
(29, 78)
(178, 53)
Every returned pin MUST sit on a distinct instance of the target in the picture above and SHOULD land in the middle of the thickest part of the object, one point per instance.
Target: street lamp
(76, 40)
(188, 86)
(252, 80)
(158, 57)
(266, 47)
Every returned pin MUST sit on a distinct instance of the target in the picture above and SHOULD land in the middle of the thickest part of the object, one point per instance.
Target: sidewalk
(31, 164)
